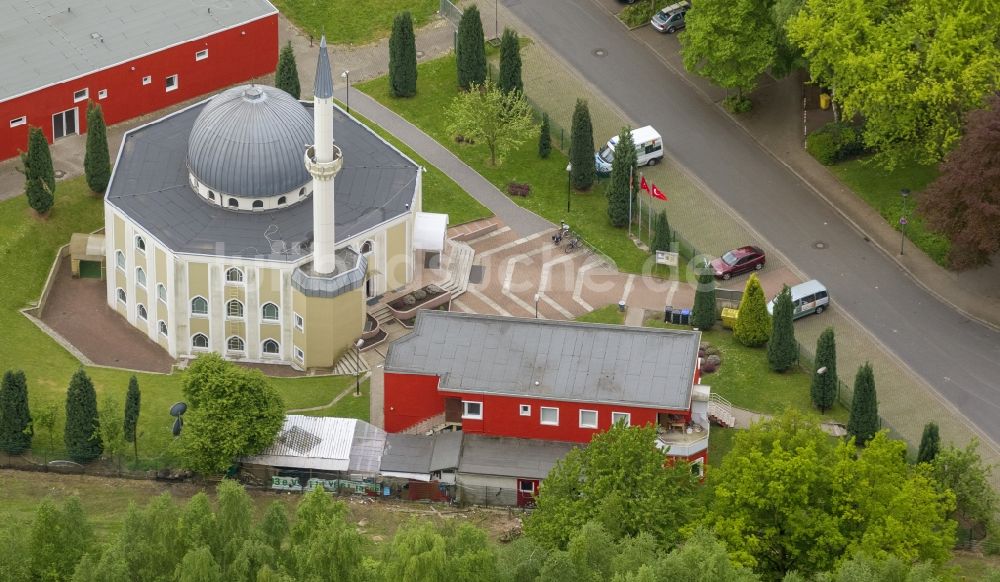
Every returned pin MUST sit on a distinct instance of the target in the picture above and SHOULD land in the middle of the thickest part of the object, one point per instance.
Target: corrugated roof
(510, 457)
(421, 454)
(324, 443)
(150, 185)
(560, 360)
(46, 41)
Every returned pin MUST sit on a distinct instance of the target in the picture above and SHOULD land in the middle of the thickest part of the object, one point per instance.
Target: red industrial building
(130, 57)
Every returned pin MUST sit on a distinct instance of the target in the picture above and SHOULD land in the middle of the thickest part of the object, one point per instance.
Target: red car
(737, 261)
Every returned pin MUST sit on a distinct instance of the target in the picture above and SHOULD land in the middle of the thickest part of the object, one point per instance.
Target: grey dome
(248, 141)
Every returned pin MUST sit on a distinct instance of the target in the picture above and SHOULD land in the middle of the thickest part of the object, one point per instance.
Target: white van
(808, 297)
(648, 149)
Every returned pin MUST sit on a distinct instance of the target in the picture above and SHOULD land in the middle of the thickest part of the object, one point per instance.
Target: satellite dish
(178, 425)
(178, 409)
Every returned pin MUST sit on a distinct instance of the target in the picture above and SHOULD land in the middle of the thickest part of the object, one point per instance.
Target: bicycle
(573, 244)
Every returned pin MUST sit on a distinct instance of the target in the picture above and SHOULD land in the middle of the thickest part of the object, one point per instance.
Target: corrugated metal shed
(510, 457)
(417, 456)
(324, 444)
(47, 41)
(561, 360)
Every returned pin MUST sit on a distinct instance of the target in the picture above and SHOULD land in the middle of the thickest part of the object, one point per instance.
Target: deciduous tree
(501, 120)
(58, 538)
(45, 419)
(963, 203)
(83, 425)
(619, 187)
(930, 443)
(131, 420)
(864, 421)
(15, 416)
(112, 429)
(470, 52)
(782, 349)
(97, 158)
(962, 472)
(403, 57)
(286, 76)
(510, 62)
(825, 382)
(581, 148)
(544, 137)
(198, 565)
(753, 326)
(703, 314)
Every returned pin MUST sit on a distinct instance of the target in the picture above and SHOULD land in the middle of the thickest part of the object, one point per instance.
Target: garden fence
(486, 496)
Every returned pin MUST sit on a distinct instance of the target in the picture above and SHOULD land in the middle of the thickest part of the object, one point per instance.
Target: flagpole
(630, 178)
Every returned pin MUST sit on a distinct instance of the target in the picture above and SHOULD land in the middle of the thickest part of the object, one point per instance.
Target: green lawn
(881, 190)
(350, 406)
(607, 314)
(350, 21)
(436, 87)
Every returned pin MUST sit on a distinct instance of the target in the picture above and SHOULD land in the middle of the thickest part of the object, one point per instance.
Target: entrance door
(453, 410)
(526, 491)
(64, 123)
(369, 288)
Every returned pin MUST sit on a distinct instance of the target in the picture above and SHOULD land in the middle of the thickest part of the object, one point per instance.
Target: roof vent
(254, 94)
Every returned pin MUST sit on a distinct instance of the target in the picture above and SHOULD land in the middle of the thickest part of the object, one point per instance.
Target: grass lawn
(27, 248)
(436, 87)
(881, 190)
(350, 21)
(606, 314)
(747, 382)
(350, 406)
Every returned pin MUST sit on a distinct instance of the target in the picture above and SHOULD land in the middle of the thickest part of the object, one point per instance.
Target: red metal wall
(235, 55)
(409, 399)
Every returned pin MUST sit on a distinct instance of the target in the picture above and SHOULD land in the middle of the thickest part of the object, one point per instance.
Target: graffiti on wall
(292, 483)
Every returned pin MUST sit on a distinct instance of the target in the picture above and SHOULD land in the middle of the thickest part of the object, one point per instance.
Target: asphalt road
(958, 357)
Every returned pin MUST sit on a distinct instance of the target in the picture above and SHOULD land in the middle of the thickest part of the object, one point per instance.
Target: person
(561, 233)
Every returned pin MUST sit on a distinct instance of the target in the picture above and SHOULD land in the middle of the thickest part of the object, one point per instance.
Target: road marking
(490, 303)
(578, 289)
(551, 302)
(628, 288)
(512, 244)
(670, 294)
(461, 306)
(543, 281)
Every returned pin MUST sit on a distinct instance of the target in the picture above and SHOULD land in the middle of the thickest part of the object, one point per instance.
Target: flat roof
(510, 457)
(43, 42)
(150, 184)
(420, 455)
(559, 360)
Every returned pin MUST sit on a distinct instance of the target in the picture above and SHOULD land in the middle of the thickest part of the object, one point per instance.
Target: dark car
(671, 18)
(736, 261)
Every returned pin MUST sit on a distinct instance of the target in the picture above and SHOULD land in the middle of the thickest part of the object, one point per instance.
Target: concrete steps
(350, 364)
(383, 315)
(474, 229)
(459, 268)
(425, 426)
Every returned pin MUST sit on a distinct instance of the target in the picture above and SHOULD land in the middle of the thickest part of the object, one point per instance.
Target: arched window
(270, 312)
(121, 295)
(211, 195)
(199, 306)
(234, 203)
(141, 311)
(258, 204)
(140, 243)
(271, 347)
(199, 341)
(235, 344)
(120, 260)
(162, 325)
(161, 292)
(281, 201)
(234, 275)
(302, 192)
(140, 276)
(234, 308)
(367, 247)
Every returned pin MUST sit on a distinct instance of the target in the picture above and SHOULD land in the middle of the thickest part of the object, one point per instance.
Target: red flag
(656, 193)
(643, 185)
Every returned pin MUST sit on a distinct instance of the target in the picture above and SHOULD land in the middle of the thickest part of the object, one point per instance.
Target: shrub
(737, 103)
(714, 359)
(822, 147)
(707, 367)
(518, 189)
(835, 142)
(420, 295)
(638, 14)
(409, 300)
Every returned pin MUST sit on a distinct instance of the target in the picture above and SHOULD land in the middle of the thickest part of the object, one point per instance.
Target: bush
(518, 189)
(822, 147)
(638, 14)
(420, 295)
(737, 104)
(409, 300)
(835, 142)
(707, 367)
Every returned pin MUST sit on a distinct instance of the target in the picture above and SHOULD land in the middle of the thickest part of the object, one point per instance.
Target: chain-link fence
(487, 496)
(450, 12)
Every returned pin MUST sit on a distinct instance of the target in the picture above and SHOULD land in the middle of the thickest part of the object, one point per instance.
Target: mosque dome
(248, 142)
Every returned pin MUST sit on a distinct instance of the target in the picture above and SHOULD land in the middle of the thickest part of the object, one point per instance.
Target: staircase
(350, 364)
(720, 411)
(459, 268)
(383, 315)
(427, 425)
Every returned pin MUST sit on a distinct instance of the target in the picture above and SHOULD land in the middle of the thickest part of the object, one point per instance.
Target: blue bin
(685, 317)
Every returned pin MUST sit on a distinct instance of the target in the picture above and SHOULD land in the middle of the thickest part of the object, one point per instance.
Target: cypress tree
(403, 57)
(544, 137)
(581, 148)
(619, 186)
(286, 77)
(97, 159)
(132, 414)
(824, 386)
(39, 197)
(864, 422)
(39, 175)
(930, 443)
(510, 62)
(782, 351)
(82, 436)
(703, 314)
(753, 326)
(470, 54)
(15, 417)
(661, 233)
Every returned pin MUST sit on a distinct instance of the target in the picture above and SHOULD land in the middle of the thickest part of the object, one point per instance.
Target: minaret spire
(323, 160)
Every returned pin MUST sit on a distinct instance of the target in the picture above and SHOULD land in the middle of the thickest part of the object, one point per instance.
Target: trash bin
(668, 314)
(685, 317)
(729, 316)
(621, 306)
(824, 101)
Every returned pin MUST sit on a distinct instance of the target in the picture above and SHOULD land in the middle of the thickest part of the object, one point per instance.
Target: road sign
(666, 258)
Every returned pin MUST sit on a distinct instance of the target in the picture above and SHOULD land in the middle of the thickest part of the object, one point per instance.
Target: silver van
(808, 297)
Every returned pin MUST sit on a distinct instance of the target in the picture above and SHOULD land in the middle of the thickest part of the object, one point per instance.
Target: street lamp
(357, 375)
(537, 297)
(569, 170)
(347, 75)
(905, 193)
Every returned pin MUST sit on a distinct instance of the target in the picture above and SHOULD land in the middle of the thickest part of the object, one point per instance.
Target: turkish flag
(642, 184)
(656, 193)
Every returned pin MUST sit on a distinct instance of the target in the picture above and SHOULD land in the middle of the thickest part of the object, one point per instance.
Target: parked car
(648, 149)
(808, 297)
(671, 18)
(737, 261)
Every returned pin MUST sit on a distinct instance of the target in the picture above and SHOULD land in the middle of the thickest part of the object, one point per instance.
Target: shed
(86, 252)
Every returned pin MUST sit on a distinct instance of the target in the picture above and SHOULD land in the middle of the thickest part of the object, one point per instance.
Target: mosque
(259, 227)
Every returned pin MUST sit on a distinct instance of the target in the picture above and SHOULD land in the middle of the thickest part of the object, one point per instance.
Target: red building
(131, 57)
(549, 380)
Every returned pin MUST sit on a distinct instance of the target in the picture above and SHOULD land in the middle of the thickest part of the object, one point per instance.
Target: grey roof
(323, 86)
(249, 141)
(569, 361)
(46, 41)
(150, 185)
(447, 450)
(510, 457)
(350, 270)
(324, 443)
(421, 454)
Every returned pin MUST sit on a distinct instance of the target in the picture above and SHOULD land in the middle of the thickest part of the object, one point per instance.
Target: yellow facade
(332, 325)
(396, 257)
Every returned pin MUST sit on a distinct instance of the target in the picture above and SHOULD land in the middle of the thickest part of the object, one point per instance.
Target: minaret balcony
(323, 170)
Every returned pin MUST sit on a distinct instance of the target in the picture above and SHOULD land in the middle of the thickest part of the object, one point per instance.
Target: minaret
(323, 160)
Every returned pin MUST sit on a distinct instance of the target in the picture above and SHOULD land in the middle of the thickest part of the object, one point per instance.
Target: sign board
(666, 258)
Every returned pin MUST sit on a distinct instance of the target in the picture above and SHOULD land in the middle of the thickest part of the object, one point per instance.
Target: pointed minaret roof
(323, 87)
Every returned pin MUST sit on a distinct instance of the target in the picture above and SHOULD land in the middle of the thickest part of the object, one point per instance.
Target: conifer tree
(97, 159)
(286, 77)
(470, 53)
(864, 421)
(82, 436)
(510, 62)
(15, 417)
(544, 138)
(782, 350)
(753, 325)
(619, 188)
(132, 402)
(930, 443)
(824, 385)
(39, 175)
(703, 314)
(581, 148)
(403, 57)
(661, 233)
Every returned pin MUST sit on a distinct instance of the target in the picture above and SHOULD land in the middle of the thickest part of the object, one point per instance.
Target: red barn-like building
(132, 57)
(550, 380)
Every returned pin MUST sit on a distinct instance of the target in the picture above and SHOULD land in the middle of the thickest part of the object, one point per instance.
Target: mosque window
(211, 195)
(121, 295)
(234, 203)
(281, 201)
(199, 341)
(161, 292)
(367, 247)
(120, 260)
(302, 192)
(235, 344)
(234, 308)
(163, 327)
(140, 243)
(258, 204)
(140, 277)
(199, 306)
(140, 310)
(271, 347)
(270, 312)
(234, 275)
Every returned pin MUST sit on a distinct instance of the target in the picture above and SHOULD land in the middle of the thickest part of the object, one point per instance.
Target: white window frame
(196, 313)
(267, 354)
(700, 463)
(243, 310)
(300, 323)
(276, 318)
(616, 416)
(166, 82)
(524, 409)
(243, 341)
(19, 121)
(541, 415)
(240, 281)
(161, 326)
(201, 55)
(299, 354)
(208, 343)
(161, 296)
(469, 415)
(102, 94)
(121, 296)
(371, 247)
(140, 277)
(120, 261)
(77, 97)
(597, 418)
(147, 79)
(140, 244)
(529, 482)
(141, 313)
